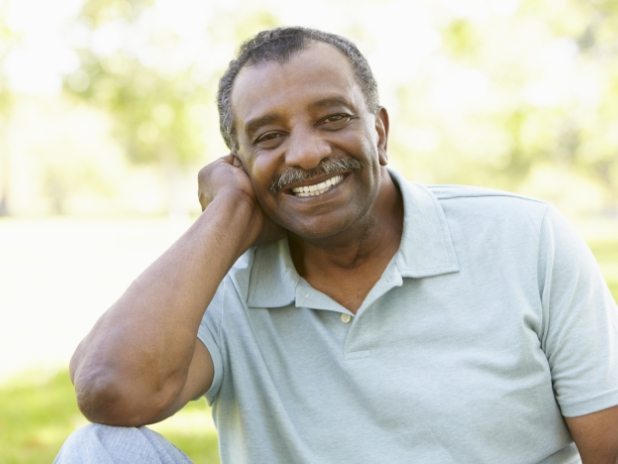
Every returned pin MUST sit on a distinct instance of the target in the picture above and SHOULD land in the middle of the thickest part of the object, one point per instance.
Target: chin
(320, 232)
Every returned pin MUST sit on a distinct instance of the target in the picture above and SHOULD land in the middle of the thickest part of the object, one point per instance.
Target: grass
(38, 412)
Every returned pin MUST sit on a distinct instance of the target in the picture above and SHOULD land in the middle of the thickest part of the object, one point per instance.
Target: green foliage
(97, 12)
(156, 83)
(516, 91)
(154, 112)
(38, 412)
(461, 39)
(157, 104)
(7, 41)
(7, 37)
(493, 94)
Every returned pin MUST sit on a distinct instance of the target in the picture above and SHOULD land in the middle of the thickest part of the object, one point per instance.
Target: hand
(226, 176)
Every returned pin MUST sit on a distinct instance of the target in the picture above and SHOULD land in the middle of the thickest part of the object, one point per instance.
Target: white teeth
(317, 189)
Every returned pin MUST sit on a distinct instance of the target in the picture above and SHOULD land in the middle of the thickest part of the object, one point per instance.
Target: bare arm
(142, 361)
(596, 436)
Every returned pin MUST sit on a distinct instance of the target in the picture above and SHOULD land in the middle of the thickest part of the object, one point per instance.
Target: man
(352, 316)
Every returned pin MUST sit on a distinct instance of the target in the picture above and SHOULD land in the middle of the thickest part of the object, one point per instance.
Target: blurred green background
(107, 112)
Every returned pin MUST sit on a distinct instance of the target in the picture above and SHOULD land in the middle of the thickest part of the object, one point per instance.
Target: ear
(236, 160)
(240, 160)
(382, 131)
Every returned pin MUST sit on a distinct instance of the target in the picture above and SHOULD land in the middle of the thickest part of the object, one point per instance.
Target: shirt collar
(273, 278)
(426, 246)
(426, 250)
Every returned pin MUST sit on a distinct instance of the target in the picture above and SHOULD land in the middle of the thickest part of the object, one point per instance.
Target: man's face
(304, 127)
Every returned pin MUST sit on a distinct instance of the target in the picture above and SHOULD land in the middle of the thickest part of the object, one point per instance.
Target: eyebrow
(332, 101)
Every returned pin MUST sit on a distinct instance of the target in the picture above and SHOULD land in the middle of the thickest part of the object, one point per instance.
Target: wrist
(235, 219)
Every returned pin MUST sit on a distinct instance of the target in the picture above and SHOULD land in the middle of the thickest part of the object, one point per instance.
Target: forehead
(316, 73)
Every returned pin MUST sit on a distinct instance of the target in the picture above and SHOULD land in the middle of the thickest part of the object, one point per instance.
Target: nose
(306, 148)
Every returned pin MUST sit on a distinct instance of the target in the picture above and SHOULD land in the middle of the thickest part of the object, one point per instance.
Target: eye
(269, 139)
(335, 121)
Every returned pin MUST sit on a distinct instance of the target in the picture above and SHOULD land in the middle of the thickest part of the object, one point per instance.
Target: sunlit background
(107, 112)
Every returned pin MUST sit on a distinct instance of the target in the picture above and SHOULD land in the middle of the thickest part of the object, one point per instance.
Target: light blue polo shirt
(490, 323)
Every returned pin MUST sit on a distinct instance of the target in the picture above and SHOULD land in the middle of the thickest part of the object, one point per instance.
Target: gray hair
(279, 45)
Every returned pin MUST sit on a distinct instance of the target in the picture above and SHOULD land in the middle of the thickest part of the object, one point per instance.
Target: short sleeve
(209, 333)
(580, 321)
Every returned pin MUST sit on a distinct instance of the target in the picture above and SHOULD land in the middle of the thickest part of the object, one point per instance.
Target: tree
(515, 95)
(153, 107)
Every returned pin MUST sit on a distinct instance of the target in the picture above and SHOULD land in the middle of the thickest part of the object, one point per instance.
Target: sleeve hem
(212, 392)
(591, 405)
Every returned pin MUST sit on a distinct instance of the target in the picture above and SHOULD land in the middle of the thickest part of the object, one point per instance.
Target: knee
(99, 433)
(106, 444)
(95, 443)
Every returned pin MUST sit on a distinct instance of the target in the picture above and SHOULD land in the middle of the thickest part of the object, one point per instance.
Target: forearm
(140, 349)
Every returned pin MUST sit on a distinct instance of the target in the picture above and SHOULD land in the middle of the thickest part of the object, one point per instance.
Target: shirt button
(345, 318)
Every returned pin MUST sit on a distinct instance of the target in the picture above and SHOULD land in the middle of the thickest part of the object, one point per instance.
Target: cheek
(364, 139)
(262, 172)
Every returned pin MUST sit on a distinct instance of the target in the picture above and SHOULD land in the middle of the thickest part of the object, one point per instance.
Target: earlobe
(382, 131)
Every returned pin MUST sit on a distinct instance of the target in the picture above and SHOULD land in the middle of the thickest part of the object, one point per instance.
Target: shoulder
(474, 209)
(470, 194)
(479, 205)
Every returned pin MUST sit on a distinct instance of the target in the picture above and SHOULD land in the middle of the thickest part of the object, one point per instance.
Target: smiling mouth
(317, 189)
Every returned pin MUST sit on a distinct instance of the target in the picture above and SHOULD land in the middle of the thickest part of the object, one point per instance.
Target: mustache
(328, 167)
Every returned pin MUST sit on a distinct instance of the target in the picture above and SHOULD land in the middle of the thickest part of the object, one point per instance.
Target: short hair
(280, 44)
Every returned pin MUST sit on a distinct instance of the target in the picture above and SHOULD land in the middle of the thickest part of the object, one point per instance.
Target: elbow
(107, 398)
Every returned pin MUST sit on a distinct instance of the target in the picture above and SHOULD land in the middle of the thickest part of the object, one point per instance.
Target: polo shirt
(490, 323)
